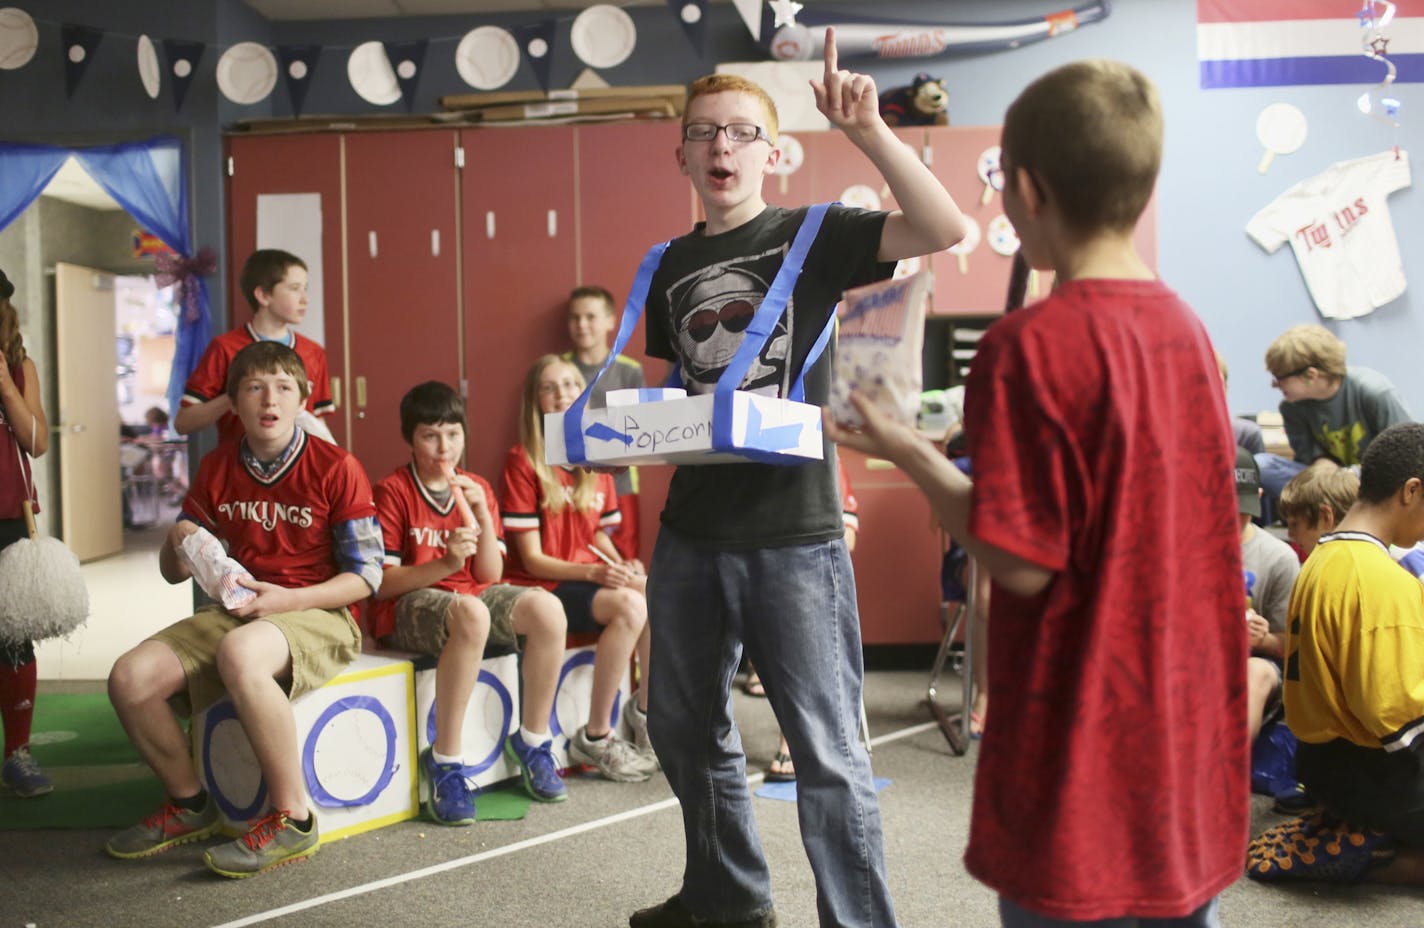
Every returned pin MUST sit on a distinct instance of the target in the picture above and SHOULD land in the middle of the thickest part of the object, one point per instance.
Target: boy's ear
(1326, 518)
(681, 160)
(773, 158)
(263, 297)
(1029, 191)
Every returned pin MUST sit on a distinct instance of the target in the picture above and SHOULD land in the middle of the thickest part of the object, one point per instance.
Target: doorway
(101, 333)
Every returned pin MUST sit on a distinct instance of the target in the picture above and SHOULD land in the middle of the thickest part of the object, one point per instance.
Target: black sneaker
(673, 914)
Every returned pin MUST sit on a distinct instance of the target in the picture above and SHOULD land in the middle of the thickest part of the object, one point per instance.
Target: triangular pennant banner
(406, 59)
(183, 57)
(751, 15)
(536, 40)
(298, 64)
(79, 44)
(692, 14)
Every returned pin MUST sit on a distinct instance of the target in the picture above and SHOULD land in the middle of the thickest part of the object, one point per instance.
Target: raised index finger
(831, 62)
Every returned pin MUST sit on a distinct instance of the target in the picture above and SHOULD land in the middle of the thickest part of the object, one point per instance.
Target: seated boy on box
(297, 513)
(441, 597)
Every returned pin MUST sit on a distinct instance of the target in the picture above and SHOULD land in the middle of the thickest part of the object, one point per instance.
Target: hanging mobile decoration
(785, 11)
(1374, 16)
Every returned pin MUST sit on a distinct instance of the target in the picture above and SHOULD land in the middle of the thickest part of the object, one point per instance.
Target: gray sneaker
(169, 827)
(615, 758)
(273, 841)
(638, 721)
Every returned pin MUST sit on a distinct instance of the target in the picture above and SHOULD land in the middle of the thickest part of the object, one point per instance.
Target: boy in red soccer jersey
(1116, 785)
(440, 597)
(298, 514)
(275, 285)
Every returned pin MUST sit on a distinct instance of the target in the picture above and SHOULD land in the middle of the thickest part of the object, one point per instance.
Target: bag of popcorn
(878, 349)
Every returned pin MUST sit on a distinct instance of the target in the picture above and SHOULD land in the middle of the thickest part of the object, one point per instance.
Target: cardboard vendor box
(669, 427)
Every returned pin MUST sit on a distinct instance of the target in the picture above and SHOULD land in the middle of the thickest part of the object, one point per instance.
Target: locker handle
(360, 392)
(489, 224)
(553, 223)
(371, 241)
(435, 243)
(336, 393)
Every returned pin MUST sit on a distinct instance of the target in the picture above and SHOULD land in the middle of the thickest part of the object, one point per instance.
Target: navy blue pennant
(407, 58)
(79, 44)
(298, 65)
(536, 41)
(692, 16)
(183, 57)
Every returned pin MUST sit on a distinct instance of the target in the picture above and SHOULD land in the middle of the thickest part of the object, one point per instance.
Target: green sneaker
(273, 841)
(169, 827)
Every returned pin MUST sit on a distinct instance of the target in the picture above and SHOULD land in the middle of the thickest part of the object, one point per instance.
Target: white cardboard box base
(357, 740)
(679, 431)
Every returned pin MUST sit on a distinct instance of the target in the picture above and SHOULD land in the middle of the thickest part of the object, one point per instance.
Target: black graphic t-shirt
(702, 298)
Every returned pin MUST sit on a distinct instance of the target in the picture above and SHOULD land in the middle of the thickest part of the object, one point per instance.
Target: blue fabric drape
(25, 170)
(146, 179)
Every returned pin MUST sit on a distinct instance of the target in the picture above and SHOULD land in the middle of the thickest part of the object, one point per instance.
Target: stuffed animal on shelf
(924, 103)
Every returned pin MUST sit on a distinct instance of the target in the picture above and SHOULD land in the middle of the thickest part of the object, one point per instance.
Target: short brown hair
(1302, 346)
(593, 292)
(1323, 483)
(709, 84)
(265, 268)
(1091, 132)
(266, 358)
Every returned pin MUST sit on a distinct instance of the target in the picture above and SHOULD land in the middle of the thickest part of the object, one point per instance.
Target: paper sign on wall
(292, 222)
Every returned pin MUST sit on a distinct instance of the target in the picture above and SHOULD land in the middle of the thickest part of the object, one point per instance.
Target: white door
(87, 423)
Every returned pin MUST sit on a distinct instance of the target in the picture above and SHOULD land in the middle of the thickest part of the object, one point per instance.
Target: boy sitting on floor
(1354, 686)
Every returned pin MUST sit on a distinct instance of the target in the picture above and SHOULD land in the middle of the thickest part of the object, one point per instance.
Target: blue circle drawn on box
(506, 714)
(320, 795)
(570, 665)
(225, 711)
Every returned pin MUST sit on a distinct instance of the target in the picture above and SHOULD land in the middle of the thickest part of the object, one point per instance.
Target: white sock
(532, 739)
(442, 759)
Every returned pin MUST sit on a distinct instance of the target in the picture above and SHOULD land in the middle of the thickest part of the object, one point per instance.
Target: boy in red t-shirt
(1113, 783)
(275, 285)
(298, 515)
(441, 597)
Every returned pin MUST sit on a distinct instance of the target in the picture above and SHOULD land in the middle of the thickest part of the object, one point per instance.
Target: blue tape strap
(798, 389)
(773, 305)
(632, 312)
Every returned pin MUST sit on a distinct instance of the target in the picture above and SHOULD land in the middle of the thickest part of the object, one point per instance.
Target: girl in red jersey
(557, 521)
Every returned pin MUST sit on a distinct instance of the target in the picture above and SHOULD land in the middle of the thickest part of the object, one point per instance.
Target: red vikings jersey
(280, 527)
(565, 536)
(209, 379)
(416, 528)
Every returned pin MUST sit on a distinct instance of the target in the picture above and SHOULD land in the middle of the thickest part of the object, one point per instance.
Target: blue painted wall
(1209, 186)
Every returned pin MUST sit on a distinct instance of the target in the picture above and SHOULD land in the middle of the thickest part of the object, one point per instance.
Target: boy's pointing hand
(847, 99)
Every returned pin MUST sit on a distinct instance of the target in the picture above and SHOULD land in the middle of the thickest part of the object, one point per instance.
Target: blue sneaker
(450, 798)
(24, 776)
(1317, 847)
(537, 768)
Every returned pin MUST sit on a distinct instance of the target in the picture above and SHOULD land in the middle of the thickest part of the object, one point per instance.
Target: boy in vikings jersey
(441, 597)
(298, 514)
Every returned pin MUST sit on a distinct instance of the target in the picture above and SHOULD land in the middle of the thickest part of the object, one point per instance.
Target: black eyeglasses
(1277, 381)
(738, 132)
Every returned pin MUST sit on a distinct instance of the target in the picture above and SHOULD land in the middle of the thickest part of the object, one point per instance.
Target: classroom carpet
(100, 782)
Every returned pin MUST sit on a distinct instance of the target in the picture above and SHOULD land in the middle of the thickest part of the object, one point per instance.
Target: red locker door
(631, 195)
(520, 232)
(403, 306)
(292, 164)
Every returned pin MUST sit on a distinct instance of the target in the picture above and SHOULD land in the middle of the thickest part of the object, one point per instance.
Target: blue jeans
(794, 608)
(1013, 915)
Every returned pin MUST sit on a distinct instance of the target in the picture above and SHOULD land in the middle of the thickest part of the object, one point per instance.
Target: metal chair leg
(956, 726)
